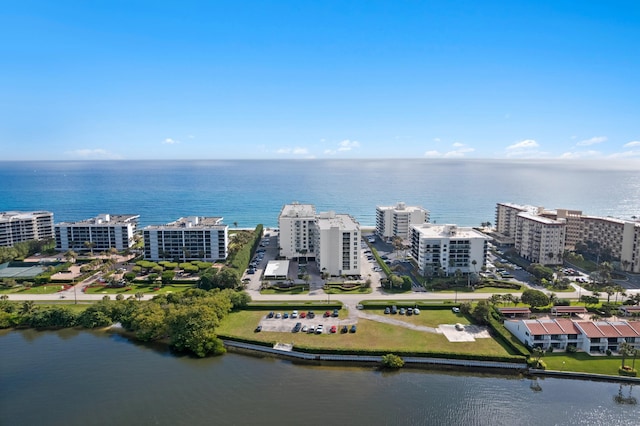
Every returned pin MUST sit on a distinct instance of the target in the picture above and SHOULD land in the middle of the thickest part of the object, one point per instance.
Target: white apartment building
(338, 244)
(297, 230)
(448, 248)
(16, 227)
(102, 232)
(394, 221)
(186, 239)
(539, 239)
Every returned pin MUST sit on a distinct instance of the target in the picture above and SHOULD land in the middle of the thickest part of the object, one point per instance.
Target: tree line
(186, 321)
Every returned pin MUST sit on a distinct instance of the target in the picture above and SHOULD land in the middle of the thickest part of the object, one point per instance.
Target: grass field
(585, 363)
(139, 288)
(370, 335)
(43, 289)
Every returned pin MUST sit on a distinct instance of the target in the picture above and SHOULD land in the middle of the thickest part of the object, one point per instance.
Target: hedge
(240, 260)
(257, 306)
(507, 337)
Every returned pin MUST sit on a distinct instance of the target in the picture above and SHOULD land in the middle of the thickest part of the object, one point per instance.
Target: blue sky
(319, 79)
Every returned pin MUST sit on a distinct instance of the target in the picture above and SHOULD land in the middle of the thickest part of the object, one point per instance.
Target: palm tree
(90, 245)
(139, 296)
(235, 224)
(27, 306)
(625, 350)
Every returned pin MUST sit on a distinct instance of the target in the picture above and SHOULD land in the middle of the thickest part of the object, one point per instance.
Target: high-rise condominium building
(16, 227)
(394, 221)
(100, 233)
(447, 248)
(186, 239)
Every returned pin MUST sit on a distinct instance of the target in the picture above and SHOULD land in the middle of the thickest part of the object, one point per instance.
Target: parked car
(459, 327)
(311, 315)
(258, 329)
(297, 327)
(294, 314)
(394, 310)
(409, 311)
(455, 310)
(311, 329)
(416, 311)
(353, 329)
(303, 314)
(403, 311)
(387, 310)
(278, 315)
(305, 329)
(333, 329)
(327, 314)
(285, 315)
(319, 329)
(335, 313)
(344, 329)
(270, 315)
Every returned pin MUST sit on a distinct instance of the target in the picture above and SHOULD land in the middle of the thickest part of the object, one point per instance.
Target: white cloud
(631, 144)
(580, 154)
(330, 152)
(592, 141)
(626, 154)
(459, 151)
(523, 145)
(95, 154)
(169, 141)
(437, 139)
(347, 145)
(294, 151)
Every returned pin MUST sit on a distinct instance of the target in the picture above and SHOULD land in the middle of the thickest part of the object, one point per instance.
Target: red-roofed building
(571, 310)
(515, 312)
(629, 310)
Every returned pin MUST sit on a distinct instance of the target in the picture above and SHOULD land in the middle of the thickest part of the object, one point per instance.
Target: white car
(294, 314)
(455, 310)
(319, 329)
(416, 311)
(459, 327)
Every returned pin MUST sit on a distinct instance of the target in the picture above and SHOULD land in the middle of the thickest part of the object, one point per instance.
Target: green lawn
(43, 289)
(358, 290)
(585, 363)
(294, 290)
(371, 335)
(140, 288)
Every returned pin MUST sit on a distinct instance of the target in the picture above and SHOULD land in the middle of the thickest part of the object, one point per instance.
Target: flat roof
(540, 219)
(104, 219)
(569, 309)
(277, 268)
(514, 310)
(345, 222)
(194, 222)
(430, 230)
(298, 210)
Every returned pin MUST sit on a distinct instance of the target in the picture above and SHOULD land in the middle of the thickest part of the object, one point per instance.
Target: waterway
(76, 377)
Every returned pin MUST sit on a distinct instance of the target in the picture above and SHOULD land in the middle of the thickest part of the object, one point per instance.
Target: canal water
(75, 377)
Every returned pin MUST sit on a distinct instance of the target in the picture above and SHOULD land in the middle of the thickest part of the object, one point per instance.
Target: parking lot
(286, 325)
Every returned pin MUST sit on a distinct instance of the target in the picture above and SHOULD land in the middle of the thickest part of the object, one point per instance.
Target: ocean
(248, 192)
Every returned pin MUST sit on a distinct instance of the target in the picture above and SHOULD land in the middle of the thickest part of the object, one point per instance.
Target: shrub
(572, 349)
(392, 361)
(627, 371)
(608, 352)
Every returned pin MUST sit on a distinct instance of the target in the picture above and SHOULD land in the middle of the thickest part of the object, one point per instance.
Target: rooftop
(429, 230)
(106, 219)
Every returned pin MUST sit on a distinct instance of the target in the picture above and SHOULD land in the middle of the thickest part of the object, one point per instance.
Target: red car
(327, 314)
(303, 314)
(333, 329)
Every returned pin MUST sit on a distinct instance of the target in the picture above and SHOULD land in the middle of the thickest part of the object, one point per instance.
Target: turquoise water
(250, 192)
(82, 378)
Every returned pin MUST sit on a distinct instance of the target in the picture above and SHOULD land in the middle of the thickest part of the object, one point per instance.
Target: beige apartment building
(394, 221)
(621, 238)
(16, 227)
(539, 239)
